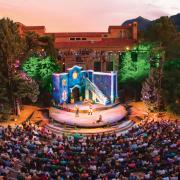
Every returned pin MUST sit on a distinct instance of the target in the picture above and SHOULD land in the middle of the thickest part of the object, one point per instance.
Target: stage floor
(83, 108)
(109, 116)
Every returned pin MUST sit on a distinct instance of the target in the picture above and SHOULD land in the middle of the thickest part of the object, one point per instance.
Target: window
(134, 56)
(109, 66)
(78, 39)
(79, 59)
(97, 66)
(105, 35)
(84, 39)
(72, 39)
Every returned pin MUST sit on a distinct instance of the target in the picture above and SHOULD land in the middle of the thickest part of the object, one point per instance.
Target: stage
(110, 114)
(78, 93)
(84, 107)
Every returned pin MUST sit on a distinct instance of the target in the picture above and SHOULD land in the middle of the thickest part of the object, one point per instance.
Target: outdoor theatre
(85, 98)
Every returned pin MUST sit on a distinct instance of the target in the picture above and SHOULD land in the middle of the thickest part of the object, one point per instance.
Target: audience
(148, 151)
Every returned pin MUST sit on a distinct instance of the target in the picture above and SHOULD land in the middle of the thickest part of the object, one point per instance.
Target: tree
(164, 32)
(10, 49)
(24, 87)
(161, 30)
(47, 68)
(133, 72)
(39, 46)
(150, 91)
(4, 99)
(31, 41)
(41, 70)
(32, 67)
(152, 87)
(173, 48)
(138, 69)
(47, 43)
(171, 86)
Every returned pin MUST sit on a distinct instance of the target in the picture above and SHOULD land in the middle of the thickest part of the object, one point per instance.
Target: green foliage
(171, 65)
(161, 30)
(41, 70)
(3, 89)
(135, 70)
(47, 68)
(24, 87)
(10, 50)
(13, 48)
(171, 86)
(31, 67)
(31, 41)
(149, 90)
(173, 48)
(36, 45)
(47, 43)
(10, 44)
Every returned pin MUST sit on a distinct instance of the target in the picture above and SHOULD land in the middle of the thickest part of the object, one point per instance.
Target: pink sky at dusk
(84, 15)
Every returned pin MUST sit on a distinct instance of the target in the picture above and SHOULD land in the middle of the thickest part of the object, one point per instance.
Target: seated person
(100, 119)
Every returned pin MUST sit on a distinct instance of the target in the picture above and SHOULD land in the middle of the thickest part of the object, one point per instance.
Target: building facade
(78, 84)
(99, 51)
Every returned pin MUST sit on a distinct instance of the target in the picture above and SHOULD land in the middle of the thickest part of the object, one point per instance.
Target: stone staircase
(100, 95)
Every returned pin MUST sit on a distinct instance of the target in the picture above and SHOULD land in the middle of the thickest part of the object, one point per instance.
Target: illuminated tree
(41, 70)
(152, 87)
(133, 72)
(150, 91)
(138, 69)
(47, 67)
(127, 69)
(31, 67)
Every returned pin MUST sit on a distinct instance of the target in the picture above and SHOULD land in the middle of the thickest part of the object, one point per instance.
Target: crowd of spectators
(148, 151)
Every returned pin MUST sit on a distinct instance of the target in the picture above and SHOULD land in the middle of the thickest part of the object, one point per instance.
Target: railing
(92, 87)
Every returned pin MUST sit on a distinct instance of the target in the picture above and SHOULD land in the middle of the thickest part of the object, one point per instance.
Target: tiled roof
(118, 27)
(79, 34)
(34, 27)
(109, 42)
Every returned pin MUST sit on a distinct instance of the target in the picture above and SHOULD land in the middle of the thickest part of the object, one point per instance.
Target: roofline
(35, 27)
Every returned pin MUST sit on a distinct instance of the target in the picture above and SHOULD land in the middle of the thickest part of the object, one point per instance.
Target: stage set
(86, 99)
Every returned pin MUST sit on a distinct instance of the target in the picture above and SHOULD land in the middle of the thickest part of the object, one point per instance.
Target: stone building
(99, 51)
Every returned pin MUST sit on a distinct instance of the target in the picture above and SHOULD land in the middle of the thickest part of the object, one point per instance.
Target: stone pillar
(112, 87)
(93, 96)
(135, 31)
(115, 61)
(86, 94)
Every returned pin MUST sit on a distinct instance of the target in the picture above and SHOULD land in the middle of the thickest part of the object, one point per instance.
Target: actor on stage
(100, 119)
(76, 111)
(90, 110)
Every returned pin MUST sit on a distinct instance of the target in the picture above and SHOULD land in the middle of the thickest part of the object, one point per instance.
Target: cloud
(84, 15)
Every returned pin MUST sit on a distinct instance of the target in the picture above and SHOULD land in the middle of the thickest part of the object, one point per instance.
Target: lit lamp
(127, 48)
(75, 75)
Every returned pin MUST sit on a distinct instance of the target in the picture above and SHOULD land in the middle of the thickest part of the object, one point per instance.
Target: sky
(84, 15)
